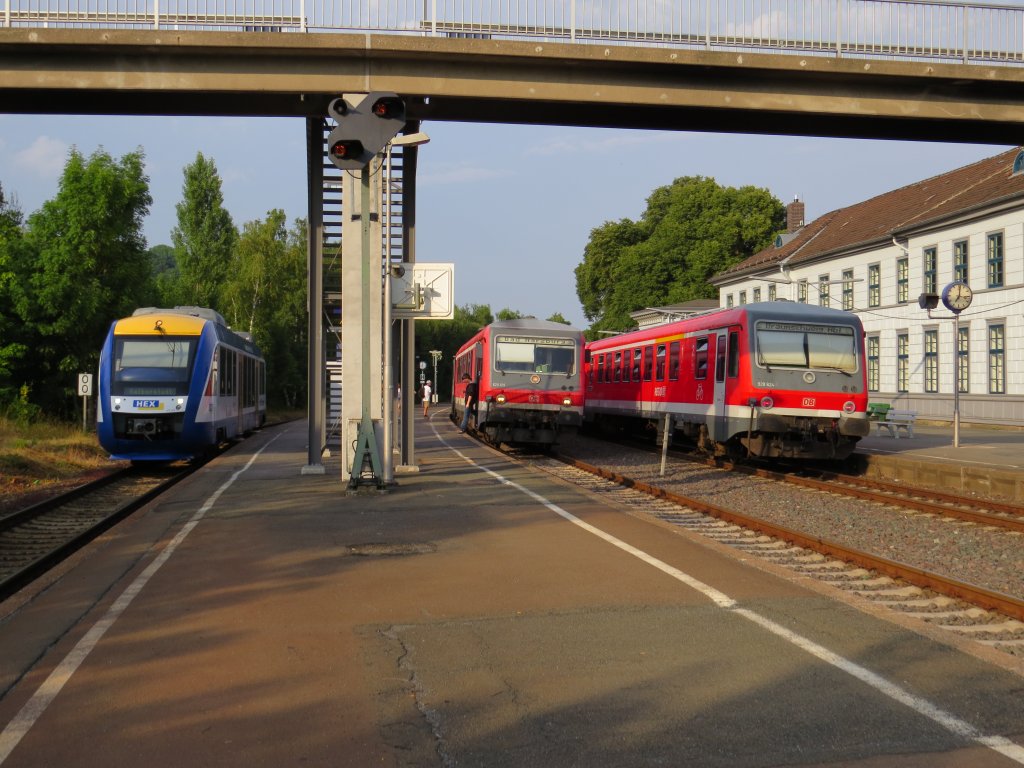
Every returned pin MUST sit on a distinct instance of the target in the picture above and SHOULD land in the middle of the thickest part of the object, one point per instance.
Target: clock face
(957, 296)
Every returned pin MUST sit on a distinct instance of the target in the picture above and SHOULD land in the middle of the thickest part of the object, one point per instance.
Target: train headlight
(566, 401)
(767, 402)
(181, 403)
(500, 399)
(849, 406)
(117, 403)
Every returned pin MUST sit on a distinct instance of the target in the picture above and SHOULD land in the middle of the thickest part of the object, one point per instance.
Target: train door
(727, 369)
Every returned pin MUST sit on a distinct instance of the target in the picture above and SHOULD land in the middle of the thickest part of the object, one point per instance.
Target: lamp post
(407, 140)
(436, 354)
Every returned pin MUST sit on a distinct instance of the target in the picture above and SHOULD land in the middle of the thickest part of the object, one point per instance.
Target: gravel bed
(963, 551)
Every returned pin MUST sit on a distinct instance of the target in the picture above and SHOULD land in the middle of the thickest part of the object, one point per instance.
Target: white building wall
(1003, 305)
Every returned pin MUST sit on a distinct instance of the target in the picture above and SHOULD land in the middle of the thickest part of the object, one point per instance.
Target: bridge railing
(938, 30)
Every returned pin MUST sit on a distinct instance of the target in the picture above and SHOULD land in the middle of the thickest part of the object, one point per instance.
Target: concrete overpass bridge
(896, 69)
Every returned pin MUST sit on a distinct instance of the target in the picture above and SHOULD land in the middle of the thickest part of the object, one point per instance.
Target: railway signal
(365, 124)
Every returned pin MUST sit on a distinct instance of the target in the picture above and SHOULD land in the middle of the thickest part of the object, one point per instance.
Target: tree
(205, 237)
(691, 230)
(81, 264)
(12, 348)
(558, 318)
(166, 276)
(265, 295)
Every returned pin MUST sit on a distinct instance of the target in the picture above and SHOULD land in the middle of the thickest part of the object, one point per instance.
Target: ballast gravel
(971, 553)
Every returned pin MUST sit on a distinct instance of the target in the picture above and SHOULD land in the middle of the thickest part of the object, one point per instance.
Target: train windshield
(803, 345)
(526, 354)
(144, 363)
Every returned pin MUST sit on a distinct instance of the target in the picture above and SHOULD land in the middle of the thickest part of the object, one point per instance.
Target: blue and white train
(175, 383)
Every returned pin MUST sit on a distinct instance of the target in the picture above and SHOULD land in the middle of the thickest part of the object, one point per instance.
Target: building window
(963, 358)
(931, 270)
(995, 260)
(757, 295)
(801, 291)
(903, 280)
(997, 359)
(847, 289)
(931, 361)
(960, 273)
(823, 290)
(743, 298)
(874, 285)
(873, 373)
(903, 362)
(771, 292)
(728, 301)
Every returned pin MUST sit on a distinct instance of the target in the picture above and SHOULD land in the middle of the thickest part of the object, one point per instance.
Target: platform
(988, 461)
(479, 614)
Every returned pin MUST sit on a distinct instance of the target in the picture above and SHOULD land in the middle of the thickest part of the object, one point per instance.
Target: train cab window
(734, 354)
(673, 361)
(720, 359)
(617, 367)
(637, 355)
(700, 358)
(659, 369)
(648, 362)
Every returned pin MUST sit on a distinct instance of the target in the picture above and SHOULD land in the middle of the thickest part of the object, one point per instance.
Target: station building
(880, 258)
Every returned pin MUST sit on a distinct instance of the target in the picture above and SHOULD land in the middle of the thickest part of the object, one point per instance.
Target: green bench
(878, 411)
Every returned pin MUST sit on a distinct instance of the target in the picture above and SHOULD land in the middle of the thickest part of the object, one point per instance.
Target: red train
(773, 379)
(529, 376)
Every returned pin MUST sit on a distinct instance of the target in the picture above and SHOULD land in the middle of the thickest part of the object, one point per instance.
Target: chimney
(794, 215)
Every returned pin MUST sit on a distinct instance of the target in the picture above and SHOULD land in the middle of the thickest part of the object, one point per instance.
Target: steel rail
(1004, 604)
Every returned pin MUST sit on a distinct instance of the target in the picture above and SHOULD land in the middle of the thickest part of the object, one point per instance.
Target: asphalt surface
(478, 614)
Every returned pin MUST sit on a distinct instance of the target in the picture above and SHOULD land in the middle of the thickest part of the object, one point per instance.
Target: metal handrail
(940, 30)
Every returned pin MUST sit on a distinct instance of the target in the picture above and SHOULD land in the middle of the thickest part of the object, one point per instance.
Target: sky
(511, 206)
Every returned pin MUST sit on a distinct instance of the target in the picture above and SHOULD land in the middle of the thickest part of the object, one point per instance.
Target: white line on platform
(47, 692)
(950, 722)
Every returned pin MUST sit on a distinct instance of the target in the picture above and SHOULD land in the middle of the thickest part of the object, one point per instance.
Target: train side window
(734, 354)
(637, 354)
(659, 370)
(648, 362)
(616, 367)
(673, 361)
(720, 358)
(598, 364)
(700, 358)
(606, 374)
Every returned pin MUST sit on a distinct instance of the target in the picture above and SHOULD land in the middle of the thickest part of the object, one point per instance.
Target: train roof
(202, 313)
(532, 324)
(779, 310)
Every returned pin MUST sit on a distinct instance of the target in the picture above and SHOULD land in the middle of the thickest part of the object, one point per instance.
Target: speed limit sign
(85, 384)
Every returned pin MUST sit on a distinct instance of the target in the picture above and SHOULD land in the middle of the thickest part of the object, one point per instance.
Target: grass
(46, 455)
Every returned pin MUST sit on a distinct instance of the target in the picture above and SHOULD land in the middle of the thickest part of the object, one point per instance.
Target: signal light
(389, 108)
(347, 149)
(365, 124)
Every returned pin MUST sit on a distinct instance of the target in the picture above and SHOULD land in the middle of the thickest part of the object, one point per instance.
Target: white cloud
(45, 157)
(461, 174)
(603, 142)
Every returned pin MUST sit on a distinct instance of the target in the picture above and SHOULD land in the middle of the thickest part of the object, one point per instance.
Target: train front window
(804, 345)
(523, 354)
(152, 366)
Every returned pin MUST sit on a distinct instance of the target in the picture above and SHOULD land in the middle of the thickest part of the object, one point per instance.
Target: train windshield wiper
(836, 368)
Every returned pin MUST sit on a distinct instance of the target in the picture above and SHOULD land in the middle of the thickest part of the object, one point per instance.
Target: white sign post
(85, 390)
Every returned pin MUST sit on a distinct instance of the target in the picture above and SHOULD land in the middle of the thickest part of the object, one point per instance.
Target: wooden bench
(877, 411)
(894, 420)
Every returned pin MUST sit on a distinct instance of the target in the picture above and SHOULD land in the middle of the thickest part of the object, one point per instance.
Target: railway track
(985, 616)
(35, 539)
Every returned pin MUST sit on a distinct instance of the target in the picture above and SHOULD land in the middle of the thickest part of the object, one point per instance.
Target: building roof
(893, 214)
(657, 315)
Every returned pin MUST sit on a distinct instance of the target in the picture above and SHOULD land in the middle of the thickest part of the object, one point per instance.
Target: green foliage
(205, 237)
(79, 263)
(691, 230)
(265, 294)
(21, 411)
(11, 349)
(557, 317)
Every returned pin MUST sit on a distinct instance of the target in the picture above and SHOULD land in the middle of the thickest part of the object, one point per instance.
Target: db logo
(808, 402)
(534, 398)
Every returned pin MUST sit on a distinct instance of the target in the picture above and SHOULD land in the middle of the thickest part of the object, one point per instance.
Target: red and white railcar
(772, 379)
(529, 376)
